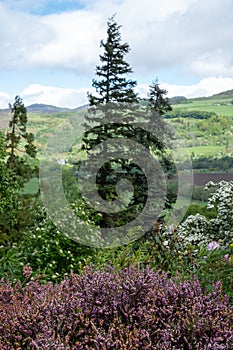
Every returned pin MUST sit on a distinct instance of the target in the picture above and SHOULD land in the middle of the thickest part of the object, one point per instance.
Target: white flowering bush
(196, 229)
(222, 199)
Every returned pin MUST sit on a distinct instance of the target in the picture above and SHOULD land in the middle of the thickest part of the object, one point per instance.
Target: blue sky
(49, 49)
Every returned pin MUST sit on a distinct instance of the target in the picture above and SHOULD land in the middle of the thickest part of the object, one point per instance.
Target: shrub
(131, 309)
(210, 264)
(51, 253)
(196, 229)
(222, 200)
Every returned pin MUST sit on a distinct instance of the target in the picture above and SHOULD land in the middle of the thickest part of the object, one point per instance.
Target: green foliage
(212, 266)
(113, 86)
(18, 138)
(160, 249)
(189, 114)
(196, 229)
(222, 164)
(11, 263)
(194, 209)
(157, 100)
(16, 168)
(10, 204)
(199, 194)
(51, 253)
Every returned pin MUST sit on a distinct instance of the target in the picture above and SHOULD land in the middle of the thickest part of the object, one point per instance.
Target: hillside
(45, 109)
(40, 108)
(204, 137)
(222, 95)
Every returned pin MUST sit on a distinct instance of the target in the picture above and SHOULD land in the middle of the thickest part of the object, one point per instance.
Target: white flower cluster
(196, 229)
(222, 198)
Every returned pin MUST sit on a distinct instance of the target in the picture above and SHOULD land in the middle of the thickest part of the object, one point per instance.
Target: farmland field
(221, 107)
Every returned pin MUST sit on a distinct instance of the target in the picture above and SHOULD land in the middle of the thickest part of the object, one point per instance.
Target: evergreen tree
(113, 85)
(9, 201)
(157, 100)
(116, 99)
(19, 142)
(114, 93)
(113, 89)
(158, 105)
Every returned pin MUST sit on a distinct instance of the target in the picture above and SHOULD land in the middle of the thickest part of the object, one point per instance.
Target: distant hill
(222, 95)
(40, 108)
(45, 109)
(177, 100)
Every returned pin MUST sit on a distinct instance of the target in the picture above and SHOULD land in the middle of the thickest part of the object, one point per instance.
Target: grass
(207, 106)
(214, 151)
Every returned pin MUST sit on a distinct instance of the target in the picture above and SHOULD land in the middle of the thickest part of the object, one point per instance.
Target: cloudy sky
(49, 49)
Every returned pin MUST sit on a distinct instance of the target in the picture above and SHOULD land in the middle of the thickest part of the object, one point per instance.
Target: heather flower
(133, 309)
(213, 245)
(27, 271)
(227, 257)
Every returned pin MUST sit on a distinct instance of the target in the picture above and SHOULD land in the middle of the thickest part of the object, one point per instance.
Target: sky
(49, 49)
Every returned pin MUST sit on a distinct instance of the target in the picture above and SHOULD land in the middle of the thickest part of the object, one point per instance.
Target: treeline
(189, 114)
(213, 164)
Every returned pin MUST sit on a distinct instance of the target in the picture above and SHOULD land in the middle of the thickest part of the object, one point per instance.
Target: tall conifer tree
(20, 142)
(116, 97)
(113, 85)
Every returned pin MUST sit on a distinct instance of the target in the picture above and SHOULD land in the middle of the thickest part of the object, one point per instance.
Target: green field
(216, 151)
(220, 107)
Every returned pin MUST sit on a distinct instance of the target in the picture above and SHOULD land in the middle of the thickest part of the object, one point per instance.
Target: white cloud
(72, 98)
(194, 34)
(74, 41)
(68, 40)
(5, 99)
(190, 36)
(209, 67)
(206, 87)
(56, 96)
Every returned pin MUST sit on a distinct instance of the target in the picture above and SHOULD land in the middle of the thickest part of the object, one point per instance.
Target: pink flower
(227, 257)
(213, 245)
(27, 271)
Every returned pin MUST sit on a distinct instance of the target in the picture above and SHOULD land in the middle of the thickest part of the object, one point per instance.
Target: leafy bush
(159, 248)
(210, 264)
(51, 253)
(163, 250)
(196, 229)
(47, 250)
(222, 199)
(189, 114)
(131, 309)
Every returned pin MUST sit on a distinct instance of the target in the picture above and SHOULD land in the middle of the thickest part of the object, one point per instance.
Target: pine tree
(157, 100)
(116, 98)
(114, 93)
(158, 105)
(113, 85)
(113, 89)
(19, 142)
